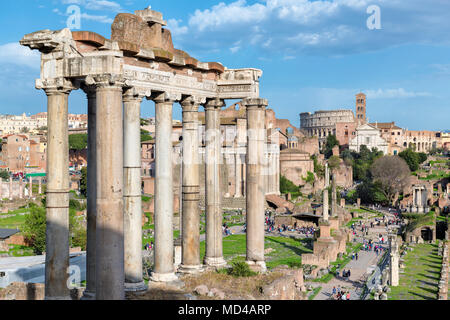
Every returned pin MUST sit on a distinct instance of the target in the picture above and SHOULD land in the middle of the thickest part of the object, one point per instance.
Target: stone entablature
(148, 64)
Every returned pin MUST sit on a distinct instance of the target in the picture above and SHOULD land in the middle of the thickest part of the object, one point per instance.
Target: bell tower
(361, 109)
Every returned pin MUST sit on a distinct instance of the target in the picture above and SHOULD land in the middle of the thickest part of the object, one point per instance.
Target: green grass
(286, 251)
(20, 251)
(436, 175)
(421, 277)
(145, 240)
(315, 293)
(354, 220)
(13, 222)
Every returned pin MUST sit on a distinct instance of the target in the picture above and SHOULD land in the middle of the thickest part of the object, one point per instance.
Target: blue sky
(315, 55)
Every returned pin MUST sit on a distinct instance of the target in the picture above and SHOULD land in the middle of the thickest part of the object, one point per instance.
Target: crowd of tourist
(306, 231)
(340, 294)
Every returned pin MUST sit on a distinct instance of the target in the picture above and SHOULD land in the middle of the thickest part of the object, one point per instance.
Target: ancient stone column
(57, 234)
(1, 189)
(214, 250)
(333, 198)
(190, 261)
(327, 175)
(30, 193)
(164, 257)
(325, 204)
(394, 261)
(89, 293)
(238, 172)
(10, 188)
(132, 195)
(109, 263)
(255, 182)
(40, 186)
(20, 188)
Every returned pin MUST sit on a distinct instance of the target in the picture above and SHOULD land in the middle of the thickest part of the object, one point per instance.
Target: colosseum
(323, 123)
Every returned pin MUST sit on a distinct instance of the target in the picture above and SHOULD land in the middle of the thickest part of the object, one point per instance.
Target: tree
(83, 182)
(34, 229)
(145, 135)
(422, 157)
(310, 178)
(4, 174)
(78, 141)
(331, 142)
(287, 186)
(362, 162)
(334, 163)
(411, 158)
(391, 174)
(319, 169)
(347, 157)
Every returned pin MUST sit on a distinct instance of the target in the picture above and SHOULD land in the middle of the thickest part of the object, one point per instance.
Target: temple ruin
(140, 62)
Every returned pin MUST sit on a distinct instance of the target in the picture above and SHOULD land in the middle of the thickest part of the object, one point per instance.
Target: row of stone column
(21, 189)
(114, 214)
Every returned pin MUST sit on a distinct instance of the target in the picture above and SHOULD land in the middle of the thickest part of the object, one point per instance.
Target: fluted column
(91, 94)
(255, 182)
(109, 263)
(132, 196)
(190, 262)
(164, 257)
(214, 249)
(57, 233)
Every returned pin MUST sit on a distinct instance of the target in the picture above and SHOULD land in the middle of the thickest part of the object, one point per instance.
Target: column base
(163, 277)
(238, 196)
(88, 295)
(135, 287)
(257, 266)
(191, 269)
(215, 262)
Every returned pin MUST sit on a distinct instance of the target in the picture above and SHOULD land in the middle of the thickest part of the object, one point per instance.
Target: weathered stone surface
(217, 293)
(201, 290)
(23, 291)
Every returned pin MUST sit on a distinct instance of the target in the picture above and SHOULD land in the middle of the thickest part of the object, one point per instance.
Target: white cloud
(174, 26)
(15, 54)
(399, 93)
(102, 19)
(324, 27)
(223, 14)
(234, 49)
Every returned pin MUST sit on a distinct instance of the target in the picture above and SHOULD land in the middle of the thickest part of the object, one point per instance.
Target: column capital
(136, 94)
(255, 103)
(165, 97)
(106, 80)
(55, 85)
(192, 103)
(214, 104)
